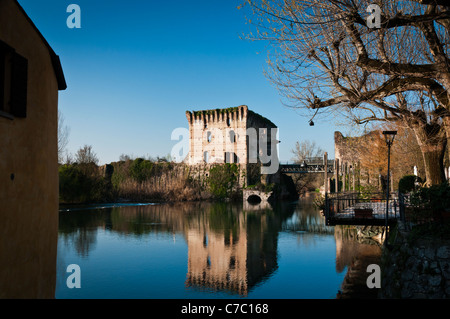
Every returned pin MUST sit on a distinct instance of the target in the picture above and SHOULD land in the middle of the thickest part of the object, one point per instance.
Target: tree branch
(390, 87)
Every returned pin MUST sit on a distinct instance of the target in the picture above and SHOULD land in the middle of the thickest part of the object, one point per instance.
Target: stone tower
(229, 135)
(233, 135)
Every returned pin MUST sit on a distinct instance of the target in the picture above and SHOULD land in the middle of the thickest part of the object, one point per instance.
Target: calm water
(200, 250)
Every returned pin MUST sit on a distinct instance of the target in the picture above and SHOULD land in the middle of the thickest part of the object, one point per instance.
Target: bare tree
(328, 59)
(306, 149)
(302, 151)
(86, 155)
(63, 137)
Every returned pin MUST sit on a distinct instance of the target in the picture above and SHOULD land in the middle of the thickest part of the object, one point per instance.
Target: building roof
(56, 62)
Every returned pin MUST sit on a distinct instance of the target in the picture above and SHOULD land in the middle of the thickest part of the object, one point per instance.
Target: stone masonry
(231, 135)
(416, 271)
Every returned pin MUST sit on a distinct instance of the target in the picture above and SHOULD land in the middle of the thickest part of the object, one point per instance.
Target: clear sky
(136, 66)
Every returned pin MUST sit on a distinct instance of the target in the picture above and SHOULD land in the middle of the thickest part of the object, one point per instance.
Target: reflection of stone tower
(231, 260)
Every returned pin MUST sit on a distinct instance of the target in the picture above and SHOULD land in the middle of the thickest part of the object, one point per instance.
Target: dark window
(13, 82)
(232, 137)
(231, 157)
(4, 73)
(19, 86)
(232, 262)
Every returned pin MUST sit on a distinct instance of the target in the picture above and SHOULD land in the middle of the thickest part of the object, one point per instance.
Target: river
(204, 250)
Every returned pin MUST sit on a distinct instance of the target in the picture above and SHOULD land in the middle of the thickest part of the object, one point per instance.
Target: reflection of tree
(306, 217)
(84, 240)
(80, 229)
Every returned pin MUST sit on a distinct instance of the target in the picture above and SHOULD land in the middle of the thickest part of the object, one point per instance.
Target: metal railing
(354, 205)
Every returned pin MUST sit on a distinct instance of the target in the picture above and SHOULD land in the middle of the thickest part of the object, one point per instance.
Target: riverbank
(138, 181)
(416, 264)
(142, 180)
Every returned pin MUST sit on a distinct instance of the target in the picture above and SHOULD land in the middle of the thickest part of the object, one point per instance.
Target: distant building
(348, 152)
(349, 149)
(30, 78)
(233, 135)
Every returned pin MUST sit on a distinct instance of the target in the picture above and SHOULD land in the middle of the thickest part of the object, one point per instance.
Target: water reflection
(355, 251)
(230, 249)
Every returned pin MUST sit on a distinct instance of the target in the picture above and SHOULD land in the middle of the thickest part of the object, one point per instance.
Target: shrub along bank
(146, 180)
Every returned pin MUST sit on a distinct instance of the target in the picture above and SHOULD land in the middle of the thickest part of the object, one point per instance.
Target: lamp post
(304, 166)
(389, 138)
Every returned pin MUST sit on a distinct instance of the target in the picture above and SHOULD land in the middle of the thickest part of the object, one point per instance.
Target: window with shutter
(2, 79)
(13, 83)
(19, 86)
(5, 76)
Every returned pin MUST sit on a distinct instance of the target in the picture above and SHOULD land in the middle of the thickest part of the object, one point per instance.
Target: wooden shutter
(2, 78)
(19, 85)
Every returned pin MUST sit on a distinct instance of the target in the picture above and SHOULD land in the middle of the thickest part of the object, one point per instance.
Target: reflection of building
(233, 260)
(356, 252)
(30, 77)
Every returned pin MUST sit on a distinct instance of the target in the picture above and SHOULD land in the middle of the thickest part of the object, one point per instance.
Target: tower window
(232, 137)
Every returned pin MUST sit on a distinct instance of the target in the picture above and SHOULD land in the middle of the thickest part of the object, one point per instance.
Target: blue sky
(136, 66)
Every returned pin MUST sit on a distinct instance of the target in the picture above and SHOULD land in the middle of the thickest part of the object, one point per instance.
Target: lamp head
(389, 137)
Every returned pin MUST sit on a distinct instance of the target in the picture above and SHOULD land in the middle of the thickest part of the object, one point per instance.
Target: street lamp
(389, 138)
(303, 165)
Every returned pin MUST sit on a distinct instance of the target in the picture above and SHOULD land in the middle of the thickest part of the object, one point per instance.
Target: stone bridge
(255, 196)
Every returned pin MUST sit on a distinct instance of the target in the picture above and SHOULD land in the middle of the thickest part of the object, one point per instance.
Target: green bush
(435, 198)
(408, 183)
(141, 170)
(267, 188)
(78, 186)
(74, 185)
(222, 180)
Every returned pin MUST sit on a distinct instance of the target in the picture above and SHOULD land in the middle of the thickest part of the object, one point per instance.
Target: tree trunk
(433, 158)
(447, 132)
(432, 142)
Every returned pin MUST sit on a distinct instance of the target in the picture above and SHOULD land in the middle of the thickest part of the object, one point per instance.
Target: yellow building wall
(28, 151)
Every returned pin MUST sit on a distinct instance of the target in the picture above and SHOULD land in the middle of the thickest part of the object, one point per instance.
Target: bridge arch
(254, 199)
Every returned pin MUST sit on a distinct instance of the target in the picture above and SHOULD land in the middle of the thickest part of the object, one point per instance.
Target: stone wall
(419, 270)
(347, 154)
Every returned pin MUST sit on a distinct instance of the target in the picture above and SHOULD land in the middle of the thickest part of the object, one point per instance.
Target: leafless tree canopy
(63, 137)
(86, 155)
(327, 58)
(306, 149)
